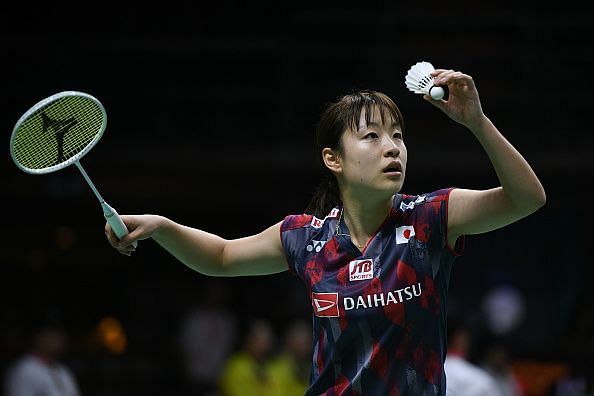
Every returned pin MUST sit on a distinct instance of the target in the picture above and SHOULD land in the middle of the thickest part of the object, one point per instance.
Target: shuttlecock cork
(420, 81)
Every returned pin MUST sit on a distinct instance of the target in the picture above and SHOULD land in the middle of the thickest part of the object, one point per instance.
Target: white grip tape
(115, 221)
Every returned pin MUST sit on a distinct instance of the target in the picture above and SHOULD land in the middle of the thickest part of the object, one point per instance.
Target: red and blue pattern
(379, 315)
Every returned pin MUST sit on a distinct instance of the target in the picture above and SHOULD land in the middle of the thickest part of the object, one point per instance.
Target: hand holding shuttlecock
(420, 81)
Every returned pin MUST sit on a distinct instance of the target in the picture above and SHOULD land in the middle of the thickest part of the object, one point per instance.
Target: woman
(376, 263)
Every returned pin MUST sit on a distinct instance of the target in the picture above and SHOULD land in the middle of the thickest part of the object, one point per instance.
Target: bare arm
(520, 193)
(209, 254)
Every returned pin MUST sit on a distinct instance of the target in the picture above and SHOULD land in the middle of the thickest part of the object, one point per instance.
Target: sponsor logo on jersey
(318, 223)
(411, 205)
(407, 206)
(333, 213)
(404, 233)
(382, 299)
(325, 305)
(314, 245)
(360, 270)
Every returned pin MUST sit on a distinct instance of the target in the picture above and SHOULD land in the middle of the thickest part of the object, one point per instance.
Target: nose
(391, 149)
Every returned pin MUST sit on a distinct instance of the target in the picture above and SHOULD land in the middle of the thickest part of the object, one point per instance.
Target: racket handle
(115, 221)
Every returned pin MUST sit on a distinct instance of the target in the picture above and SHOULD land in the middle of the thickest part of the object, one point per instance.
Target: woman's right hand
(139, 227)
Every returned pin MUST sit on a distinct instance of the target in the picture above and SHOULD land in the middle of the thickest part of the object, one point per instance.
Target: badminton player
(376, 262)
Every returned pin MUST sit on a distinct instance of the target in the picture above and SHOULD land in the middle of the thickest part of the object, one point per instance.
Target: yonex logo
(325, 305)
(407, 206)
(411, 205)
(404, 233)
(315, 245)
(360, 269)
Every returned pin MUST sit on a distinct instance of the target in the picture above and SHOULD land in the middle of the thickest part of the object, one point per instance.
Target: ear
(331, 159)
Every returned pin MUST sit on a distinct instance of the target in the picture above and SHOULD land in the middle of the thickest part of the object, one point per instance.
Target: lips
(393, 167)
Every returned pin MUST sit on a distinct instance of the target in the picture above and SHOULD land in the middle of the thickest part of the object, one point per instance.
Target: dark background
(211, 112)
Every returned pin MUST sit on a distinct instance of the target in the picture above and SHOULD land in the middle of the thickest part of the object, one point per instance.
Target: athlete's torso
(379, 314)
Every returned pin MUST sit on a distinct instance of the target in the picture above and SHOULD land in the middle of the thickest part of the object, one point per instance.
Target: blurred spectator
(39, 372)
(497, 363)
(464, 378)
(247, 372)
(206, 340)
(504, 307)
(290, 369)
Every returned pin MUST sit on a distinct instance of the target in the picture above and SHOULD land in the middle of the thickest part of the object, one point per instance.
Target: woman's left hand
(463, 104)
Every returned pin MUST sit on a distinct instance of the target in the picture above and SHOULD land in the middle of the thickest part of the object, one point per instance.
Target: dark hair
(337, 118)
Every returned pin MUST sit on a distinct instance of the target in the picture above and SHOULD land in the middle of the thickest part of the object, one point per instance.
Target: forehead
(378, 116)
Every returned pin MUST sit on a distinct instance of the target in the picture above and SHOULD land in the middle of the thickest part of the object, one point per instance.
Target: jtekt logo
(325, 305)
(360, 269)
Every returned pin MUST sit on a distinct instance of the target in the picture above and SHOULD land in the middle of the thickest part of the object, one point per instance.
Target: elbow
(541, 198)
(538, 201)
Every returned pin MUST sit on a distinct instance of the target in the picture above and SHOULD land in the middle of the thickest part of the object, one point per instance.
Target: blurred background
(211, 116)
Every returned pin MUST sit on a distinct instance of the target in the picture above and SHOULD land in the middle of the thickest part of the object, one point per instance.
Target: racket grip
(115, 221)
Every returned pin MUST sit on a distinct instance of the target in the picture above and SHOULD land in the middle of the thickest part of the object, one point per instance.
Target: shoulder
(404, 202)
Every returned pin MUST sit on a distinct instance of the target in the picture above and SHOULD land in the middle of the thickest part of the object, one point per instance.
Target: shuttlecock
(420, 81)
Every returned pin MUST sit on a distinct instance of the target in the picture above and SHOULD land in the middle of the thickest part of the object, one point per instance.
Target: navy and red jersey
(379, 315)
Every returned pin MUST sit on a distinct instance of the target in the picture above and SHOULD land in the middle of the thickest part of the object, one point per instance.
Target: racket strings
(57, 131)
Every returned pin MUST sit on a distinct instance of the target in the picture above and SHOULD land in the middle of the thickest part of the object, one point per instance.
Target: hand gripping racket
(57, 132)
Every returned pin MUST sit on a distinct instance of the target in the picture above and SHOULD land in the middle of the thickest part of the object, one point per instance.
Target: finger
(454, 77)
(125, 252)
(444, 78)
(129, 240)
(126, 249)
(440, 72)
(111, 237)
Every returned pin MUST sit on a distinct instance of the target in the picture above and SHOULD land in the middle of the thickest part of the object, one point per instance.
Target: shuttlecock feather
(420, 81)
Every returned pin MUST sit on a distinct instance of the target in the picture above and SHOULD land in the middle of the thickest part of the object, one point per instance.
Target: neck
(363, 216)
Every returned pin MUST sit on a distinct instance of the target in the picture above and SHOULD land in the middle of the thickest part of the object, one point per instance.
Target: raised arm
(209, 254)
(520, 193)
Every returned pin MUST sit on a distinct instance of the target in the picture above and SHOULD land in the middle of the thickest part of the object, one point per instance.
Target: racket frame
(44, 103)
(109, 213)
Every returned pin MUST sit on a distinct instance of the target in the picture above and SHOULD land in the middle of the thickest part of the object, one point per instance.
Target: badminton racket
(57, 132)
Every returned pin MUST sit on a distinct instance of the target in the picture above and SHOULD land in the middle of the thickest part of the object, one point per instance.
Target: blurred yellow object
(288, 379)
(244, 376)
(111, 335)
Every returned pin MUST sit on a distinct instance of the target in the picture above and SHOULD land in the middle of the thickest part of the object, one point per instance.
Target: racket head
(57, 131)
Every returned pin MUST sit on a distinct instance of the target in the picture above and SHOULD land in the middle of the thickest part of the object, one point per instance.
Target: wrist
(162, 224)
(479, 125)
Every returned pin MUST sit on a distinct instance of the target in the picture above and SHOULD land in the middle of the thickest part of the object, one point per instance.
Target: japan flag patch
(404, 233)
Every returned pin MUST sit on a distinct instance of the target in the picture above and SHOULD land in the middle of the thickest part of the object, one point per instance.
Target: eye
(398, 135)
(371, 135)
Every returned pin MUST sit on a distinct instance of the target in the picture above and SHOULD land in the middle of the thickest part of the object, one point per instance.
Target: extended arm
(209, 254)
(520, 193)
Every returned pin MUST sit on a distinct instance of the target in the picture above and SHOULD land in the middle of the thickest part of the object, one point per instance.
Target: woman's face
(374, 156)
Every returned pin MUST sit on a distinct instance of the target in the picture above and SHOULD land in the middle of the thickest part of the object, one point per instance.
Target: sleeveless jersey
(379, 315)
